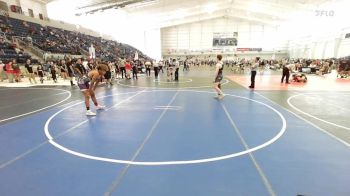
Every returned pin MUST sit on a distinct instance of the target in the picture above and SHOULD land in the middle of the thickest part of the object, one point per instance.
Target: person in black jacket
(134, 69)
(53, 72)
(41, 73)
(70, 68)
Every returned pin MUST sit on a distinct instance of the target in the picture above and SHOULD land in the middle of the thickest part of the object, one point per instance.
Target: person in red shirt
(17, 70)
(128, 69)
(10, 71)
(2, 71)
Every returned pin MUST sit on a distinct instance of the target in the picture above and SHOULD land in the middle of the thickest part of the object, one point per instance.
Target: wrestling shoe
(100, 107)
(89, 113)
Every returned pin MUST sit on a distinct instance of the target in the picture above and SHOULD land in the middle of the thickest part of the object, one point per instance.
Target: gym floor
(166, 138)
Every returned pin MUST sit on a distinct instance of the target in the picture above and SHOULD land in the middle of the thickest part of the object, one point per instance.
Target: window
(41, 16)
(31, 13)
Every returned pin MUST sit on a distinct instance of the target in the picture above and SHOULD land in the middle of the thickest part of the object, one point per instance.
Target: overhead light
(210, 8)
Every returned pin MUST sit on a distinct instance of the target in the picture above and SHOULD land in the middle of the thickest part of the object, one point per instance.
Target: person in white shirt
(286, 71)
(156, 69)
(148, 65)
(219, 77)
(122, 67)
(292, 67)
(161, 66)
(255, 64)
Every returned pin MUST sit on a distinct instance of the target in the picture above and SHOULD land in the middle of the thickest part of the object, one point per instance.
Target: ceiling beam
(198, 18)
(41, 1)
(195, 9)
(253, 19)
(108, 5)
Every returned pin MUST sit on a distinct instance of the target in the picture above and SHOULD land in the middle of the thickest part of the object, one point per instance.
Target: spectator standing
(17, 70)
(29, 68)
(148, 68)
(46, 68)
(134, 69)
(63, 67)
(128, 69)
(108, 75)
(122, 67)
(156, 69)
(186, 65)
(177, 67)
(41, 73)
(2, 71)
(254, 65)
(10, 71)
(70, 69)
(161, 64)
(170, 70)
(53, 72)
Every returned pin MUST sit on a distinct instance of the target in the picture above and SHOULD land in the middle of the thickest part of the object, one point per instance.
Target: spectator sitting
(344, 68)
(324, 69)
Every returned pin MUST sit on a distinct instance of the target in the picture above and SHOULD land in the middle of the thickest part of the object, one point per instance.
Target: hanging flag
(136, 56)
(92, 52)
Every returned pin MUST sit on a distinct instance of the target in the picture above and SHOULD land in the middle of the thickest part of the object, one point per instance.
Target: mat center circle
(154, 163)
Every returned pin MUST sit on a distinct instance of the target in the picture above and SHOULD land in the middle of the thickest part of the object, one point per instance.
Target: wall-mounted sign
(225, 39)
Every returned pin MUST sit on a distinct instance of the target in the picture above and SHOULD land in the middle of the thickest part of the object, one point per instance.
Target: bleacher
(8, 53)
(59, 41)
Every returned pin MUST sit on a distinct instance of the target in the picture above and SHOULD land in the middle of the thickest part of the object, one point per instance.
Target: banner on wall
(249, 49)
(225, 39)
